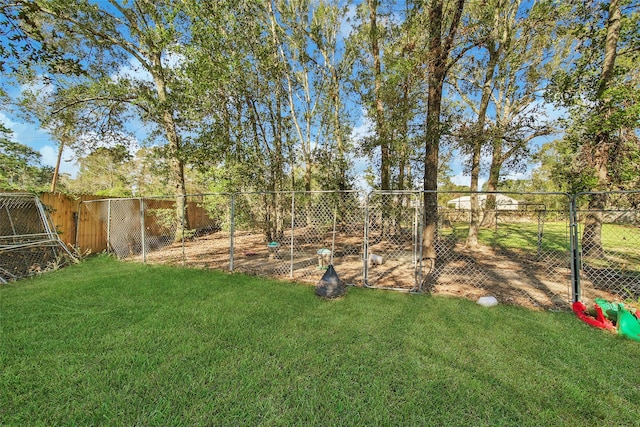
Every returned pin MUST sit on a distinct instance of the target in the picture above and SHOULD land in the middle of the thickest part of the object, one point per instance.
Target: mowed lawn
(112, 343)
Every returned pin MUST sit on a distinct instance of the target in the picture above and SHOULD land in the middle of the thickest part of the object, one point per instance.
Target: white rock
(488, 301)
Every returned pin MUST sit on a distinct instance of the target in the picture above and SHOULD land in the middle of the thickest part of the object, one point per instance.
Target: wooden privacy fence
(63, 209)
(87, 232)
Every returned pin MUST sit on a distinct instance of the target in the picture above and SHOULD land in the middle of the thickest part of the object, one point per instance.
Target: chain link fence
(522, 253)
(28, 242)
(609, 238)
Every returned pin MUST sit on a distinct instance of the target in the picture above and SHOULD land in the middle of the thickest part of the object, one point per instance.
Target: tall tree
(520, 55)
(496, 16)
(443, 21)
(103, 39)
(601, 88)
(106, 172)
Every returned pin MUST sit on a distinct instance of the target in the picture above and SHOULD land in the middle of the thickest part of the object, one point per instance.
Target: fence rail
(530, 246)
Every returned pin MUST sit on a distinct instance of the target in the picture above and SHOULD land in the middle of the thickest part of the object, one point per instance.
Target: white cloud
(25, 133)
(68, 164)
(134, 70)
(364, 129)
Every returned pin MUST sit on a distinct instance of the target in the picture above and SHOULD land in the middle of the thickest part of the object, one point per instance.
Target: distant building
(503, 202)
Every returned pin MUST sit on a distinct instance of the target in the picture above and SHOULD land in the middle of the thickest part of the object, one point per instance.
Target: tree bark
(383, 139)
(592, 233)
(56, 170)
(176, 163)
(439, 49)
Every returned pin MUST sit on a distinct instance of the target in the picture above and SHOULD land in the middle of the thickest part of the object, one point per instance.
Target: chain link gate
(522, 256)
(295, 235)
(392, 240)
(328, 228)
(609, 244)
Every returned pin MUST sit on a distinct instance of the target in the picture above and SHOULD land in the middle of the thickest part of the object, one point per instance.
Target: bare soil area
(529, 280)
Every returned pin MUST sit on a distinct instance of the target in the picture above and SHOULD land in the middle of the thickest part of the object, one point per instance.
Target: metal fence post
(182, 227)
(293, 227)
(142, 232)
(109, 225)
(575, 251)
(365, 248)
(231, 229)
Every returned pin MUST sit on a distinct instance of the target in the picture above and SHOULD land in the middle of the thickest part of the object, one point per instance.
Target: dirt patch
(540, 281)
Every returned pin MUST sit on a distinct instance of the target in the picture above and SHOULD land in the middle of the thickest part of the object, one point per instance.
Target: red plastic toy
(599, 322)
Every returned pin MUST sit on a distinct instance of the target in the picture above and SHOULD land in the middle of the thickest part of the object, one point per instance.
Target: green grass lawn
(520, 236)
(111, 343)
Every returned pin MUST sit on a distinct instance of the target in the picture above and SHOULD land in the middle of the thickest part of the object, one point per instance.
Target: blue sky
(39, 139)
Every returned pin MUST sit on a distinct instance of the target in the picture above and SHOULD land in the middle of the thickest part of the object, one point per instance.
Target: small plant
(78, 254)
(56, 264)
(164, 218)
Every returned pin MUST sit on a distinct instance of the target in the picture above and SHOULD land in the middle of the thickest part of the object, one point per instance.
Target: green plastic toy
(610, 309)
(628, 324)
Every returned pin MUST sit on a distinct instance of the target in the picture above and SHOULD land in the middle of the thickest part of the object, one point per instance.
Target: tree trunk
(592, 233)
(431, 150)
(439, 49)
(176, 163)
(383, 140)
(489, 216)
(479, 140)
(56, 170)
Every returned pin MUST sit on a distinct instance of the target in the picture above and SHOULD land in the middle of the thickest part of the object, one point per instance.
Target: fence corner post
(232, 226)
(143, 238)
(575, 249)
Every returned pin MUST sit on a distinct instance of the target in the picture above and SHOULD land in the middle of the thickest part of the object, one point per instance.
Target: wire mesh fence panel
(392, 239)
(28, 242)
(208, 237)
(609, 235)
(348, 254)
(456, 269)
(125, 227)
(521, 252)
(327, 229)
(530, 250)
(262, 236)
(515, 246)
(160, 231)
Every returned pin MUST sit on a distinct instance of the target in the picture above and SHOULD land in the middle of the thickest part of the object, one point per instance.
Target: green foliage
(106, 172)
(21, 168)
(165, 218)
(242, 96)
(600, 89)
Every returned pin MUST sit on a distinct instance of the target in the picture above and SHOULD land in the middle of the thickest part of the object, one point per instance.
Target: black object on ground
(330, 286)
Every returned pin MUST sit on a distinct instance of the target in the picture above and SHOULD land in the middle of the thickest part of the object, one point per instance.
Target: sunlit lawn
(111, 343)
(621, 242)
